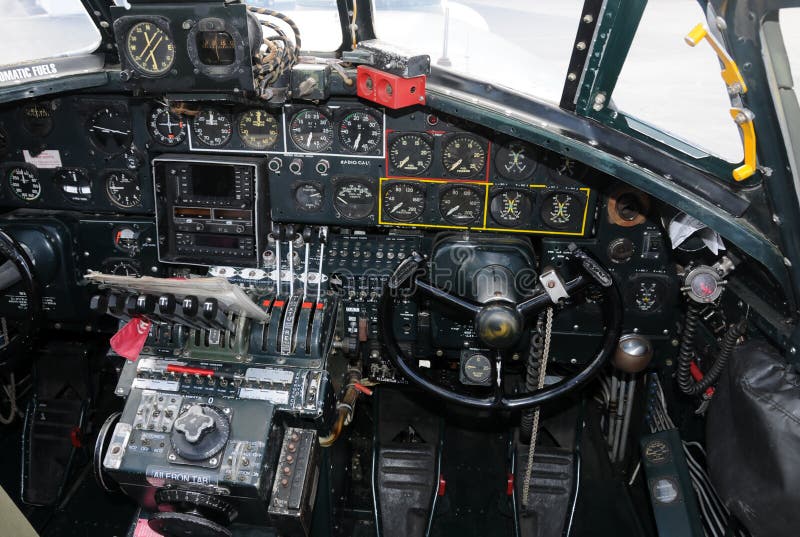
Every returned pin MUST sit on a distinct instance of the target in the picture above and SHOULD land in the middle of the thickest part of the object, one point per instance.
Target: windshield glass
(790, 26)
(318, 20)
(521, 44)
(60, 27)
(674, 87)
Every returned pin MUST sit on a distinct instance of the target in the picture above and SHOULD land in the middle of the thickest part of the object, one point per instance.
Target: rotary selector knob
(200, 432)
(194, 423)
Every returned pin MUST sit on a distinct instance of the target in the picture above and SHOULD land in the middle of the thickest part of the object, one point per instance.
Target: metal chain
(548, 332)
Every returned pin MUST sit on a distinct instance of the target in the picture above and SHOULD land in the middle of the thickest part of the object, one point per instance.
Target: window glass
(39, 29)
(790, 28)
(675, 87)
(524, 45)
(318, 21)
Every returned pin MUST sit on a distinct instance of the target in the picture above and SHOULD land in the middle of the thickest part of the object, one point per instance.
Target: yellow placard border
(487, 187)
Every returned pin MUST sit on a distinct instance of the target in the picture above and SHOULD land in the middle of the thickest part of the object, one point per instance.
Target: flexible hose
(532, 376)
(686, 353)
(345, 407)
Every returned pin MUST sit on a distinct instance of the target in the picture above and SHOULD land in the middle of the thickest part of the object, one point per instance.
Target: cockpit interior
(381, 268)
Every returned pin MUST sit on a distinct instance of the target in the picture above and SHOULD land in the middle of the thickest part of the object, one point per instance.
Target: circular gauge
(411, 154)
(123, 268)
(516, 161)
(126, 239)
(621, 250)
(37, 119)
(212, 127)
(560, 210)
(703, 284)
(403, 201)
(647, 295)
(150, 49)
(461, 205)
(353, 199)
(360, 132)
(308, 197)
(477, 369)
(24, 183)
(74, 184)
(165, 127)
(311, 130)
(258, 129)
(568, 167)
(463, 156)
(110, 131)
(512, 208)
(123, 189)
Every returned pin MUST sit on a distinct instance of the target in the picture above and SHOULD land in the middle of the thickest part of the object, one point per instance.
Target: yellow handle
(730, 72)
(735, 83)
(744, 118)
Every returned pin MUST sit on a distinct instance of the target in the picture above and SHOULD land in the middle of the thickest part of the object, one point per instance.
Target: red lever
(442, 486)
(697, 375)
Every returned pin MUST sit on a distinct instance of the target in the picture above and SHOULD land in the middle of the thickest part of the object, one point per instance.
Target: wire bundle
(715, 516)
(281, 51)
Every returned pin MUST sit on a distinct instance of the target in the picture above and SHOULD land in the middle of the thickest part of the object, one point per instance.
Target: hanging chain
(548, 332)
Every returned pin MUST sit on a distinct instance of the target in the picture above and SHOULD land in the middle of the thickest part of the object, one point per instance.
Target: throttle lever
(591, 266)
(405, 270)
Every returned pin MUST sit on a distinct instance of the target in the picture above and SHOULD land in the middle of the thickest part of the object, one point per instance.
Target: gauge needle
(310, 136)
(454, 209)
(403, 162)
(456, 164)
(314, 195)
(104, 129)
(396, 207)
(358, 140)
(342, 200)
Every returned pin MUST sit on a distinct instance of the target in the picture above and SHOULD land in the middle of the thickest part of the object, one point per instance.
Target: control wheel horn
(188, 512)
(499, 324)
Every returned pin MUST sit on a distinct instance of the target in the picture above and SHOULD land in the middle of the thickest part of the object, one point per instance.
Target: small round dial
(463, 156)
(516, 161)
(258, 129)
(360, 132)
(150, 49)
(37, 119)
(461, 205)
(703, 284)
(560, 210)
(123, 189)
(110, 131)
(24, 183)
(512, 208)
(353, 200)
(74, 184)
(123, 268)
(403, 201)
(648, 295)
(212, 127)
(165, 127)
(477, 369)
(308, 197)
(411, 154)
(311, 130)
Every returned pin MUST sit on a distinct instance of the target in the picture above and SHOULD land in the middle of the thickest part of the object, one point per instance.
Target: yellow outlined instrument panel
(484, 206)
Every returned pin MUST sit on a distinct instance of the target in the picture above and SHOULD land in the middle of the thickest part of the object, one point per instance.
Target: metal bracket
(553, 285)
